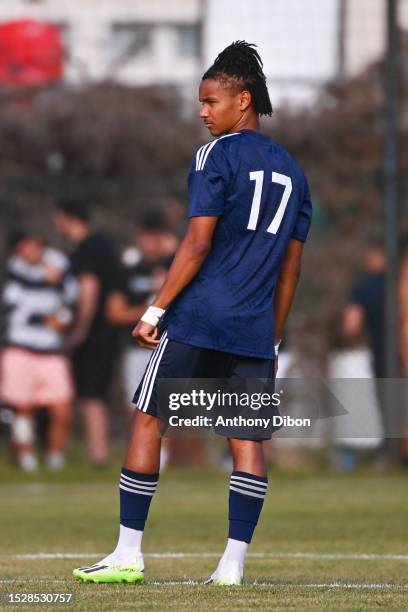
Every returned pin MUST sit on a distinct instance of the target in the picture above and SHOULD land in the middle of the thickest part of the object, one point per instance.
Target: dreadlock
(240, 65)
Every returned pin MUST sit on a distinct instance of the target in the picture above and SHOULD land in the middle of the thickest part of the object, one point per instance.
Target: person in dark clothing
(366, 308)
(365, 314)
(144, 267)
(93, 340)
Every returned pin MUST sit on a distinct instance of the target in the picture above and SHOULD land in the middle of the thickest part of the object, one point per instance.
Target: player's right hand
(146, 335)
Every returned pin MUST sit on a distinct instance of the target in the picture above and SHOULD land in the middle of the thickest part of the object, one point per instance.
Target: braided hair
(240, 66)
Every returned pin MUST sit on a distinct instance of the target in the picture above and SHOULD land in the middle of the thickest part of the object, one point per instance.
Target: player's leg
(247, 490)
(138, 482)
(248, 483)
(135, 361)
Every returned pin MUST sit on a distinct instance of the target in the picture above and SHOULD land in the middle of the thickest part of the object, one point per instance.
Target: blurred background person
(93, 340)
(364, 318)
(365, 311)
(145, 265)
(37, 300)
(144, 268)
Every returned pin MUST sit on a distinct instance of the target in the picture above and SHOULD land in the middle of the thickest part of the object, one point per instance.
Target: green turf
(76, 512)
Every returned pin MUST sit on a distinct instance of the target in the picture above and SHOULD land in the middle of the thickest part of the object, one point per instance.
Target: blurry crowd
(67, 319)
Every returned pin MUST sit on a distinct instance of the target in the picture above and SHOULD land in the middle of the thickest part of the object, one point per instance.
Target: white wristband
(277, 348)
(153, 315)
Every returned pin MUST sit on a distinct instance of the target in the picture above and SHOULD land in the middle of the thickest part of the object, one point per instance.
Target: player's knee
(148, 424)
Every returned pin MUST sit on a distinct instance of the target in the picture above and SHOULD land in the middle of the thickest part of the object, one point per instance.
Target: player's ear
(245, 100)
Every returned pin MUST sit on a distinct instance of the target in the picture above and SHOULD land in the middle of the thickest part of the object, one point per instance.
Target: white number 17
(282, 179)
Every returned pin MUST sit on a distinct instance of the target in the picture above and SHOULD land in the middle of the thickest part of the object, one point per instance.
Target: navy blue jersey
(261, 197)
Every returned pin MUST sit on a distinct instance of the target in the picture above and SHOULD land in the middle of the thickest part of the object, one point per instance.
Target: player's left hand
(146, 335)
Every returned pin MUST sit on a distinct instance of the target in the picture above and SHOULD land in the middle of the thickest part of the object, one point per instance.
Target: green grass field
(325, 541)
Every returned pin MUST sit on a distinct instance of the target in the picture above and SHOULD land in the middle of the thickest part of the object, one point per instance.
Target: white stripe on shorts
(150, 365)
(143, 404)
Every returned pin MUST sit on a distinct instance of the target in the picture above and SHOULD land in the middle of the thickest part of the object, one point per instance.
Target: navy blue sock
(136, 493)
(246, 497)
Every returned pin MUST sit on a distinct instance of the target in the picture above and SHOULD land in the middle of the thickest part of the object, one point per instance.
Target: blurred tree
(339, 143)
(123, 148)
(126, 149)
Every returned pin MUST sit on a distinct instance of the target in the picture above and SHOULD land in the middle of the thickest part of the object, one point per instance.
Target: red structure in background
(31, 53)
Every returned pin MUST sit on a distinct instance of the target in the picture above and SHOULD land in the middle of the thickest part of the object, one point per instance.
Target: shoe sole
(124, 578)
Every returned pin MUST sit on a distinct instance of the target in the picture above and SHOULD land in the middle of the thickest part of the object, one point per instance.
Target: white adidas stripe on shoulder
(199, 154)
(204, 151)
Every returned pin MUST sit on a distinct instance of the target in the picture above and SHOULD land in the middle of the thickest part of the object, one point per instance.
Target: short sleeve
(97, 257)
(119, 279)
(304, 217)
(87, 260)
(208, 181)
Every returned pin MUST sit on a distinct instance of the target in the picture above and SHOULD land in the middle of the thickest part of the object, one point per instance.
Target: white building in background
(142, 42)
(131, 41)
(297, 40)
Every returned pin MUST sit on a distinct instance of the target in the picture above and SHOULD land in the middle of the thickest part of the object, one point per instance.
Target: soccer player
(224, 302)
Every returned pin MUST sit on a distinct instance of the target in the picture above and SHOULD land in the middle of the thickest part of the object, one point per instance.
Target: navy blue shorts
(171, 359)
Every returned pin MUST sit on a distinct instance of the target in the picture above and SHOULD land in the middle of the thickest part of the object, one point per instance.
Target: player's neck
(246, 122)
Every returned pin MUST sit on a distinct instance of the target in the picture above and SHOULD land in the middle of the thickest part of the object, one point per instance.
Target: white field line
(270, 585)
(211, 555)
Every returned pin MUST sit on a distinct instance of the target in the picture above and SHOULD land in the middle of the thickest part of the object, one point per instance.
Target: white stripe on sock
(247, 493)
(142, 482)
(257, 482)
(247, 486)
(136, 487)
(121, 486)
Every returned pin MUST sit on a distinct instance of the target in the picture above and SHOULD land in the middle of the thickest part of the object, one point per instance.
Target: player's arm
(286, 285)
(290, 268)
(88, 296)
(188, 260)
